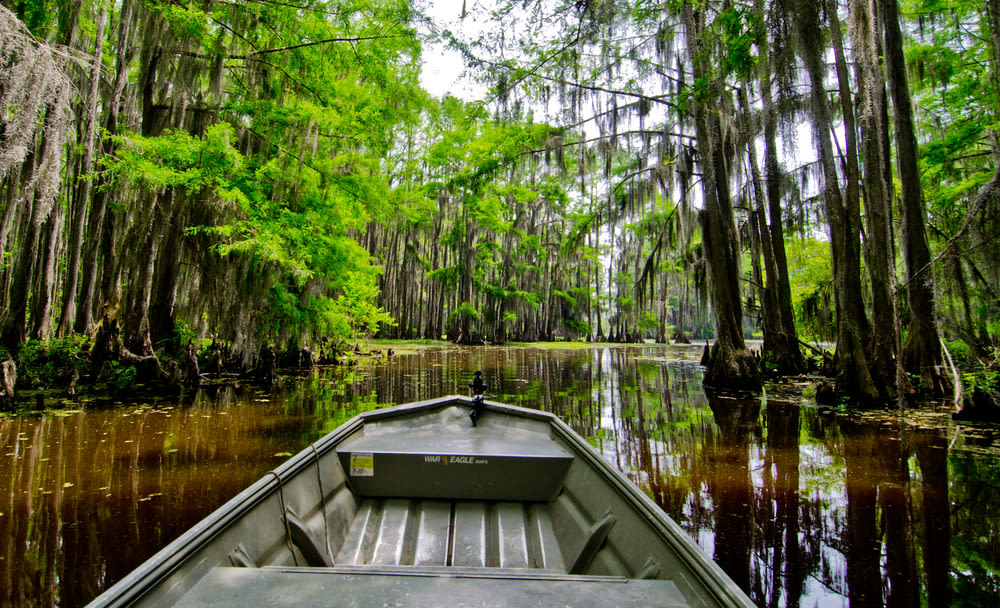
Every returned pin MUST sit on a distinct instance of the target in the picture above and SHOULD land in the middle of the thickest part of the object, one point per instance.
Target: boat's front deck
(402, 532)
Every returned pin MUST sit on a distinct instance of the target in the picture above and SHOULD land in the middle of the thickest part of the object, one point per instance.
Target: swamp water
(801, 507)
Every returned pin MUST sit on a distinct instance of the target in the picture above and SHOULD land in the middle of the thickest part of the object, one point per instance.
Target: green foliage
(464, 310)
(42, 363)
(121, 379)
(448, 276)
(649, 320)
(356, 306)
(44, 18)
(738, 26)
(531, 298)
(810, 266)
(581, 328)
(982, 374)
(299, 247)
(815, 313)
(287, 161)
(312, 136)
(179, 159)
(953, 72)
(185, 21)
(180, 338)
(960, 352)
(566, 298)
(811, 277)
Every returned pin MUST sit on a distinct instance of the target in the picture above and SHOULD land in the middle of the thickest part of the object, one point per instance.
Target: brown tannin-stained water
(801, 507)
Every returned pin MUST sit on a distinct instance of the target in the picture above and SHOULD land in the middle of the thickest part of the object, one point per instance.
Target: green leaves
(466, 310)
(178, 159)
(186, 21)
(303, 107)
(737, 38)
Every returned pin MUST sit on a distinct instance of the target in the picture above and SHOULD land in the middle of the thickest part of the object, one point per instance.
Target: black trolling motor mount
(478, 387)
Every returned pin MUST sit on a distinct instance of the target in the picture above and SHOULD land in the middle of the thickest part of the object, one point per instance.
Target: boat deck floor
(271, 586)
(423, 553)
(402, 532)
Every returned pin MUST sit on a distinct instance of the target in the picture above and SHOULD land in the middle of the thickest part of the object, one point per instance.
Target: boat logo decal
(362, 464)
(455, 459)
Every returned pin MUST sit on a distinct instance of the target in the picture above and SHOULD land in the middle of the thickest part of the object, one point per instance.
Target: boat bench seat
(450, 459)
(272, 586)
(474, 534)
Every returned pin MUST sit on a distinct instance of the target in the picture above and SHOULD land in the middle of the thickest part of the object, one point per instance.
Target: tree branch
(291, 47)
(990, 190)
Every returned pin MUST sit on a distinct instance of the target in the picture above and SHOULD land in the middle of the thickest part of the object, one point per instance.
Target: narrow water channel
(801, 507)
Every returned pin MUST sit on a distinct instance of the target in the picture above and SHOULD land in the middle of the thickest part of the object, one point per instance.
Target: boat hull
(417, 502)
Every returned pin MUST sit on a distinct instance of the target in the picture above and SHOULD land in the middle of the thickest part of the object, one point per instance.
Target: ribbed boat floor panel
(401, 532)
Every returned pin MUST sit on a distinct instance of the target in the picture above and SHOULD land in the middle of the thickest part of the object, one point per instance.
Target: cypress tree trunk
(610, 314)
(13, 323)
(661, 336)
(683, 177)
(166, 276)
(882, 355)
(39, 192)
(141, 262)
(783, 347)
(781, 344)
(82, 191)
(874, 139)
(31, 154)
(12, 194)
(881, 349)
(730, 365)
(99, 241)
(922, 349)
(853, 375)
(435, 293)
(43, 292)
(791, 355)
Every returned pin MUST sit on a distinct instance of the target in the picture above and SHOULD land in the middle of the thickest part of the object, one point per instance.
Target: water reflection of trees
(898, 512)
(931, 449)
(795, 506)
(88, 496)
(975, 543)
(728, 478)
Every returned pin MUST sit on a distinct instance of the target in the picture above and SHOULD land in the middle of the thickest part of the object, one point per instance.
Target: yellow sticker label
(362, 464)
